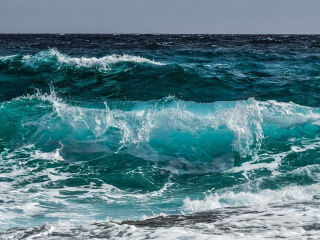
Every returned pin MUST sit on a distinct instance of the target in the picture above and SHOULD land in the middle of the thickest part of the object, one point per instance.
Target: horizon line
(82, 33)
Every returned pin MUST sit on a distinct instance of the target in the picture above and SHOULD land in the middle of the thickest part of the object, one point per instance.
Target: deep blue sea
(159, 136)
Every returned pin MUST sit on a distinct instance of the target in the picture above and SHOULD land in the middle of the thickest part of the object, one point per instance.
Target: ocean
(159, 136)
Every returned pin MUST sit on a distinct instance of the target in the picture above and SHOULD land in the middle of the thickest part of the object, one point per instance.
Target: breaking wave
(52, 59)
(211, 134)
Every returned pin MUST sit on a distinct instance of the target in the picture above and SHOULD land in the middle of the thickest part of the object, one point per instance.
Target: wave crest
(54, 58)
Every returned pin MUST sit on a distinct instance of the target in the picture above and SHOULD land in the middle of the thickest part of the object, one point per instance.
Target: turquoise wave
(168, 126)
(126, 153)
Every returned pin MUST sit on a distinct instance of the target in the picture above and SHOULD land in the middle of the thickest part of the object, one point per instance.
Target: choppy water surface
(127, 136)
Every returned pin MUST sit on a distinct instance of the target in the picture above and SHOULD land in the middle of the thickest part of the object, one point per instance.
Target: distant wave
(52, 58)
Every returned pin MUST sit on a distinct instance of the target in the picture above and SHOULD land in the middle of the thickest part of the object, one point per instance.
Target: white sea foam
(294, 221)
(54, 156)
(9, 57)
(263, 197)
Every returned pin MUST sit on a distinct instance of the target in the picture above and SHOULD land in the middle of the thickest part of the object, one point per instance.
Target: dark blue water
(127, 127)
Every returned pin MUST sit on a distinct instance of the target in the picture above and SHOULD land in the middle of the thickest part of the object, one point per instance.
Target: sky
(160, 16)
